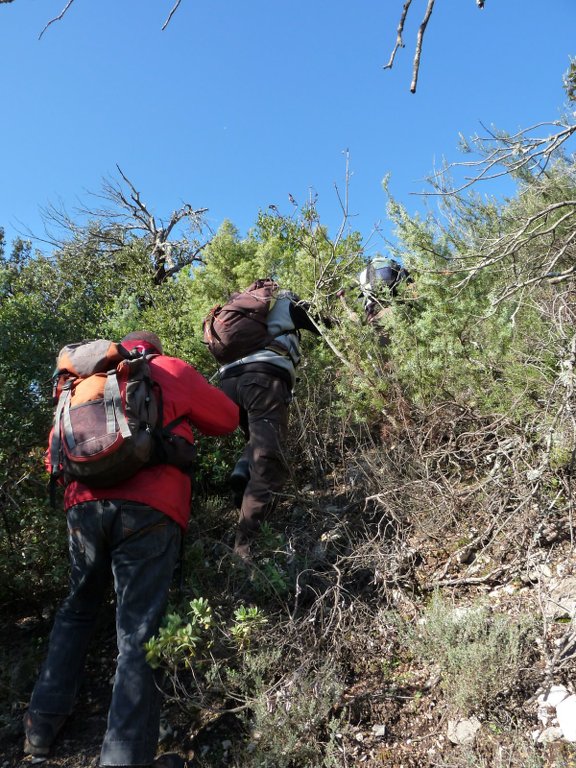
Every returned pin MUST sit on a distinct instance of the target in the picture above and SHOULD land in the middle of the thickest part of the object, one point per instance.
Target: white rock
(566, 714)
(555, 695)
(379, 730)
(463, 731)
(548, 735)
(462, 613)
(543, 714)
(539, 572)
(561, 599)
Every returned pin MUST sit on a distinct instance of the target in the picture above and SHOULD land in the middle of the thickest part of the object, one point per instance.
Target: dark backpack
(108, 418)
(239, 327)
(389, 274)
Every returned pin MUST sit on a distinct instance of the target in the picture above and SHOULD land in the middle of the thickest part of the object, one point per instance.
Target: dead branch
(552, 237)
(344, 203)
(419, 41)
(172, 12)
(69, 3)
(489, 578)
(504, 155)
(399, 33)
(539, 247)
(56, 18)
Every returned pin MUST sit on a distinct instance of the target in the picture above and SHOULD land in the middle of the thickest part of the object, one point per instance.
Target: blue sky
(238, 104)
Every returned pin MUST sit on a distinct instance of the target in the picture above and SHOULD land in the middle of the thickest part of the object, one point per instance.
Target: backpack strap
(113, 399)
(56, 442)
(56, 445)
(174, 423)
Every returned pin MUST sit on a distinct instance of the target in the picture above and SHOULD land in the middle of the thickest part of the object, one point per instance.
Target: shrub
(479, 653)
(291, 719)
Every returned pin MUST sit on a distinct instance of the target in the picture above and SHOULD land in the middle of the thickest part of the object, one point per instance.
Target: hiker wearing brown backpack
(128, 533)
(260, 380)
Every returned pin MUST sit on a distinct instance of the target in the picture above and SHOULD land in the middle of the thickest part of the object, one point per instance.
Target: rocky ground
(402, 726)
(392, 714)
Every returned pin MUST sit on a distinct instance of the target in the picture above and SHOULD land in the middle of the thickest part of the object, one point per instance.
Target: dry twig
(56, 18)
(419, 39)
(172, 12)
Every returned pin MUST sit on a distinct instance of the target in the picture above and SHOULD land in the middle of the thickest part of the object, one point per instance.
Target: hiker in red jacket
(130, 533)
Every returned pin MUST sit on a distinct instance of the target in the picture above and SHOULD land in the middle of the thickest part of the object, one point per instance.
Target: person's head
(146, 341)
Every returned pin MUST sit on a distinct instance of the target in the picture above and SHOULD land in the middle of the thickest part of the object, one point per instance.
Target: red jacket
(185, 392)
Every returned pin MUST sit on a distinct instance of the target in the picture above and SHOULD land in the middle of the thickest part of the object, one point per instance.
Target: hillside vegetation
(414, 594)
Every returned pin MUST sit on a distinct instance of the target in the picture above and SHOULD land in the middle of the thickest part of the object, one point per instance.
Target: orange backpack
(108, 418)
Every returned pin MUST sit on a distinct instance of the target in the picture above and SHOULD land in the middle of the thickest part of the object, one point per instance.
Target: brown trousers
(263, 401)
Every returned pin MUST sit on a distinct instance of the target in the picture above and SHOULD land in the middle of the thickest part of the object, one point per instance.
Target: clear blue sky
(237, 104)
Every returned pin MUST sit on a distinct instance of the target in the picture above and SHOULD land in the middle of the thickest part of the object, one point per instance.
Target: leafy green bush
(180, 639)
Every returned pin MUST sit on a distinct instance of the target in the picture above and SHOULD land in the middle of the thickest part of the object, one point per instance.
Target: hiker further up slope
(256, 334)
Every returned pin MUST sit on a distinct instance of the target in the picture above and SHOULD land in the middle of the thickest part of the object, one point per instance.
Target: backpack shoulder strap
(113, 405)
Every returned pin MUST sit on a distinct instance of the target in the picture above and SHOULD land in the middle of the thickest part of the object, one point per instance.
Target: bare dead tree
(125, 216)
(168, 256)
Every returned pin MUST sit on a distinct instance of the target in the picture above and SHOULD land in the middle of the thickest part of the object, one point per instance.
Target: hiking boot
(170, 760)
(242, 551)
(41, 730)
(239, 480)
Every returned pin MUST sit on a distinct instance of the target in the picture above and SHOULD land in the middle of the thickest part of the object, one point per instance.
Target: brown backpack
(239, 327)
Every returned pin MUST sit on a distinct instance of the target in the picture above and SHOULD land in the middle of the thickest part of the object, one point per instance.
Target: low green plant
(270, 579)
(216, 459)
(180, 638)
(291, 720)
(562, 452)
(518, 753)
(247, 620)
(479, 653)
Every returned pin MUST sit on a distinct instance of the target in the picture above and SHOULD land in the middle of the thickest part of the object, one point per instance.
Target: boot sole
(30, 749)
